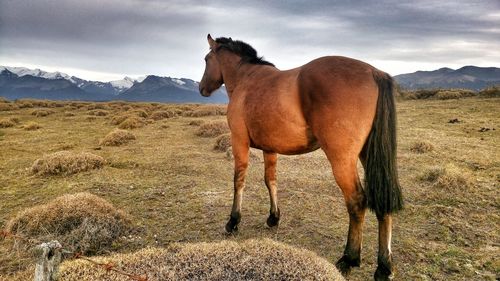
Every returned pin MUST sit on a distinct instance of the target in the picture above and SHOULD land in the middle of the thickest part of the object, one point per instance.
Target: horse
(344, 106)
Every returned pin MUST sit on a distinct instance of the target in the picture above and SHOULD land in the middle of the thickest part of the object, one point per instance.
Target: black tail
(381, 175)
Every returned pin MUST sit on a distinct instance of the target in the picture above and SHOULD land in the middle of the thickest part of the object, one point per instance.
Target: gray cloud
(168, 37)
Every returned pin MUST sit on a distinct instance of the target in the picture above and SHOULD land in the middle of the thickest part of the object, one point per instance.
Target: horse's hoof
(273, 219)
(232, 224)
(345, 264)
(383, 273)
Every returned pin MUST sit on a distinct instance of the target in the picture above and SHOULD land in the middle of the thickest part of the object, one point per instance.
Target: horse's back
(338, 98)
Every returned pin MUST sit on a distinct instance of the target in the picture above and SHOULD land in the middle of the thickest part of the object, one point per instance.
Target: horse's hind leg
(346, 175)
(240, 153)
(270, 160)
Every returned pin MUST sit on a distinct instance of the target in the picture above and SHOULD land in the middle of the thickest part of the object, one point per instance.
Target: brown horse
(341, 105)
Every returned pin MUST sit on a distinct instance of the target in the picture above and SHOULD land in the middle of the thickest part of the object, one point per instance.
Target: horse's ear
(211, 41)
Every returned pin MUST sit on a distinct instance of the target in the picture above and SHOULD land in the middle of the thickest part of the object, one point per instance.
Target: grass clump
(117, 137)
(206, 110)
(490, 92)
(66, 163)
(196, 123)
(98, 112)
(225, 260)
(7, 122)
(449, 177)
(132, 122)
(212, 129)
(31, 126)
(421, 147)
(81, 222)
(7, 106)
(41, 112)
(223, 142)
(162, 114)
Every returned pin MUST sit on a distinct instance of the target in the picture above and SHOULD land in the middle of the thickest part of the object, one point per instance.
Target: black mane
(247, 53)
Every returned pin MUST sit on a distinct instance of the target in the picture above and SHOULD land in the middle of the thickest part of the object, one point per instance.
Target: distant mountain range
(20, 82)
(467, 77)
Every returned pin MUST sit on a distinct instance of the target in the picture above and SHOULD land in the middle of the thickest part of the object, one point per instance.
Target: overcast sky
(106, 40)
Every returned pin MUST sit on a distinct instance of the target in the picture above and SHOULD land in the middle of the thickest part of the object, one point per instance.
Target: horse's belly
(284, 139)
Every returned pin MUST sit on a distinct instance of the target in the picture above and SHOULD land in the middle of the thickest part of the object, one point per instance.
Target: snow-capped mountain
(116, 86)
(20, 82)
(22, 71)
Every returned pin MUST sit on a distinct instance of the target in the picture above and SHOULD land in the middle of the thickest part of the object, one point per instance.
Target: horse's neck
(237, 74)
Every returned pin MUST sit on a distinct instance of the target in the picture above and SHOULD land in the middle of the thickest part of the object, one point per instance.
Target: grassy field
(177, 188)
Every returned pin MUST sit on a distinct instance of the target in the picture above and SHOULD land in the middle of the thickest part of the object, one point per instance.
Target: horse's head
(212, 78)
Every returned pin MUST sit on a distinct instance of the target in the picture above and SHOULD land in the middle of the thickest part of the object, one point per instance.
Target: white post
(48, 260)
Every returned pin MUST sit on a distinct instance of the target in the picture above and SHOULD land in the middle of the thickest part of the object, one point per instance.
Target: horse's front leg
(240, 153)
(270, 160)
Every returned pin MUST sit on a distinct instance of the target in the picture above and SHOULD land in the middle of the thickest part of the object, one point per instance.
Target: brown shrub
(81, 222)
(4, 100)
(25, 104)
(449, 177)
(206, 110)
(66, 163)
(116, 120)
(139, 113)
(213, 129)
(196, 123)
(132, 122)
(263, 259)
(421, 147)
(41, 112)
(117, 137)
(7, 122)
(31, 126)
(4, 106)
(223, 142)
(454, 94)
(94, 106)
(98, 112)
(68, 114)
(162, 114)
(490, 92)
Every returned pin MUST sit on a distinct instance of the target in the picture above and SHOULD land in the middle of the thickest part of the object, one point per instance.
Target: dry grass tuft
(98, 112)
(81, 222)
(117, 137)
(94, 106)
(132, 122)
(69, 114)
(206, 110)
(491, 92)
(226, 260)
(449, 177)
(196, 123)
(162, 114)
(7, 106)
(31, 126)
(66, 163)
(213, 129)
(8, 122)
(421, 147)
(41, 112)
(223, 142)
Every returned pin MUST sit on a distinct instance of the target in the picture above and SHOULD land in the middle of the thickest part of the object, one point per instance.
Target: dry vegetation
(117, 137)
(177, 188)
(223, 142)
(226, 260)
(81, 222)
(446, 94)
(66, 163)
(212, 129)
